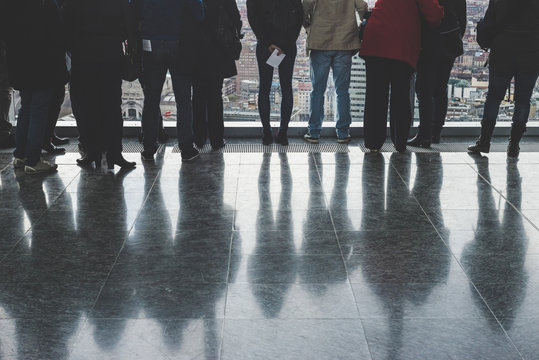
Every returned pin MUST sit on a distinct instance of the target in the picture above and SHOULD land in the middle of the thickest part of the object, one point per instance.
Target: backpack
(227, 36)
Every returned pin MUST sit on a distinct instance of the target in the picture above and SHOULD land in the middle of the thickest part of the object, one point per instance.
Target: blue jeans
(286, 70)
(497, 88)
(32, 124)
(341, 64)
(166, 56)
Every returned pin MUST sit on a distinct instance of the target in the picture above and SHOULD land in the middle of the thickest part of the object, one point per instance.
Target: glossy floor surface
(273, 256)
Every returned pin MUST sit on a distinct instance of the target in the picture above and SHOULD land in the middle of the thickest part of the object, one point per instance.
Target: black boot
(418, 141)
(517, 130)
(482, 144)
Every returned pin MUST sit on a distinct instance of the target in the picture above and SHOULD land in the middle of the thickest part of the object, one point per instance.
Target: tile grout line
(343, 261)
(459, 263)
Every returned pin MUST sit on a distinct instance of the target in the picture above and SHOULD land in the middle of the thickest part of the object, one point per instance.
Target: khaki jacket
(332, 24)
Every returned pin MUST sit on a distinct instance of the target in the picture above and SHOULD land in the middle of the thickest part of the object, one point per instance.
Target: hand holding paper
(275, 59)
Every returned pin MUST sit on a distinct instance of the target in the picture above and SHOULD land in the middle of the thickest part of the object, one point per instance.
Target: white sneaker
(42, 166)
(18, 163)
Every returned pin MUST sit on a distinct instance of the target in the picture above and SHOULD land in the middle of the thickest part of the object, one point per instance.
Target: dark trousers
(433, 75)
(208, 110)
(98, 100)
(57, 100)
(265, 71)
(166, 56)
(497, 88)
(383, 75)
(31, 124)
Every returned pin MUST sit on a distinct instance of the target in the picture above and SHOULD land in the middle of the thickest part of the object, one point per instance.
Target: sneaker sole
(344, 141)
(312, 141)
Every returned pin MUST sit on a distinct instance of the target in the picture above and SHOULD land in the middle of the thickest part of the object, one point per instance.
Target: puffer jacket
(332, 24)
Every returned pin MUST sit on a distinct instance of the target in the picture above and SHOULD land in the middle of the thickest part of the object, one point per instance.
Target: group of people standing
(399, 38)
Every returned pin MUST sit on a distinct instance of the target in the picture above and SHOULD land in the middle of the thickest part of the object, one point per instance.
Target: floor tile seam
(344, 263)
(464, 271)
(504, 197)
(227, 284)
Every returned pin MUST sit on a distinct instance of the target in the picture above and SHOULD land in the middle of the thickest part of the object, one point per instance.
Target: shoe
(18, 163)
(8, 142)
(219, 147)
(51, 149)
(435, 139)
(147, 155)
(307, 137)
(482, 145)
(42, 166)
(400, 149)
(121, 162)
(87, 160)
(190, 154)
(344, 140)
(55, 140)
(416, 141)
(267, 138)
(374, 151)
(513, 149)
(282, 139)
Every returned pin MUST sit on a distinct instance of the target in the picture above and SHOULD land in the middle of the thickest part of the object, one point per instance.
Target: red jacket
(394, 29)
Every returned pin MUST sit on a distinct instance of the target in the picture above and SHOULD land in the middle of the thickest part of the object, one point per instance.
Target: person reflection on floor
(399, 280)
(273, 232)
(495, 260)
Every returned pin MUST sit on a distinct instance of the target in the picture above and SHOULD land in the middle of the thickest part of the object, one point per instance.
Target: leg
(181, 84)
(286, 71)
(342, 70)
(443, 74)
(425, 84)
(265, 72)
(5, 125)
(216, 126)
(111, 109)
(39, 108)
(400, 113)
(376, 102)
(320, 65)
(154, 75)
(23, 123)
(200, 110)
(54, 112)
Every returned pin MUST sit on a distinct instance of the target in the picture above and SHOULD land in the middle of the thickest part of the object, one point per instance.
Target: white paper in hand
(275, 60)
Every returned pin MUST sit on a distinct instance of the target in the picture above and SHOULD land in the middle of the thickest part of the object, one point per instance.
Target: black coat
(96, 30)
(275, 24)
(35, 44)
(516, 47)
(445, 41)
(211, 61)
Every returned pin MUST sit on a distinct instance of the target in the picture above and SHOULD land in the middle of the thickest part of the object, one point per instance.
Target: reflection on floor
(273, 256)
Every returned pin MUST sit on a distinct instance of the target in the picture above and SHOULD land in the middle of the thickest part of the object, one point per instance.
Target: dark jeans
(31, 124)
(208, 110)
(265, 71)
(383, 75)
(54, 111)
(497, 88)
(98, 104)
(431, 87)
(166, 56)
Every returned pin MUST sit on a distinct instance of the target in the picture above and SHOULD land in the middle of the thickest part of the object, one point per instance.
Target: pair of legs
(265, 71)
(497, 88)
(98, 104)
(32, 124)
(208, 110)
(383, 75)
(340, 62)
(166, 57)
(433, 74)
(6, 137)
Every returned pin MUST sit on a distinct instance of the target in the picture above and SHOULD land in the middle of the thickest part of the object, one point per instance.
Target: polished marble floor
(273, 256)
